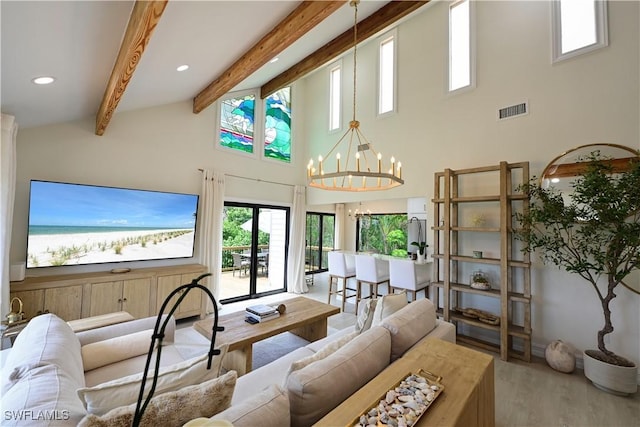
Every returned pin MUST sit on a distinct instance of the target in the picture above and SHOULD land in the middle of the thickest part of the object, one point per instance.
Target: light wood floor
(527, 394)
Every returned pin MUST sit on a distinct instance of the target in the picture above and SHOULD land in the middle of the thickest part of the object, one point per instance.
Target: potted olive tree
(594, 231)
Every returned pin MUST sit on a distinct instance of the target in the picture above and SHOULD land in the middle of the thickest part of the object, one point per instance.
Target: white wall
(592, 98)
(154, 149)
(588, 99)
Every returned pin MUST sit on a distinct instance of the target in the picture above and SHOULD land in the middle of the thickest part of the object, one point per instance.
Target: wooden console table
(468, 399)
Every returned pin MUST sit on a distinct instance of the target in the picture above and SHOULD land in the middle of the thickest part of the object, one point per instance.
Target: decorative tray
(404, 403)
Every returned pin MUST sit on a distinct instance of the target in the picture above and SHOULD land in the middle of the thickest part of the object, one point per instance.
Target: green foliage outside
(384, 234)
(234, 235)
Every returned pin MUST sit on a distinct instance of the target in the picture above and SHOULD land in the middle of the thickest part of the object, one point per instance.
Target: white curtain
(211, 218)
(338, 240)
(7, 196)
(295, 272)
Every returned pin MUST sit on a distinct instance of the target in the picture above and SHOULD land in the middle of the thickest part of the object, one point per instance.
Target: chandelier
(368, 173)
(360, 213)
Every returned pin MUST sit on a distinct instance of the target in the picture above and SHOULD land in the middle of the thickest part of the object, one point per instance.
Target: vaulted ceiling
(113, 56)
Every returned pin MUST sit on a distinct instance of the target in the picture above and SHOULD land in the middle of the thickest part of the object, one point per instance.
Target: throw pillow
(388, 305)
(113, 350)
(124, 391)
(365, 317)
(269, 408)
(174, 408)
(325, 351)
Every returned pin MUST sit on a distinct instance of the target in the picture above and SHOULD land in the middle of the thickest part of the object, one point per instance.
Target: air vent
(513, 111)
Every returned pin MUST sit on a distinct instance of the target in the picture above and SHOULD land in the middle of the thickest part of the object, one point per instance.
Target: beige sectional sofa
(43, 375)
(341, 364)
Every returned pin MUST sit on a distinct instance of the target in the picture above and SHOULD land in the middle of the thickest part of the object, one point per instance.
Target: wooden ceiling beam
(306, 16)
(143, 20)
(382, 18)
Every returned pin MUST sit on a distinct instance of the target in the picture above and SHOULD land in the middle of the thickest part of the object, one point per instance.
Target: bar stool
(373, 271)
(341, 266)
(407, 275)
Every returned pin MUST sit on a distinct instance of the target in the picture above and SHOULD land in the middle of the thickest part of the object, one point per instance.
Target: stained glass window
(277, 126)
(236, 123)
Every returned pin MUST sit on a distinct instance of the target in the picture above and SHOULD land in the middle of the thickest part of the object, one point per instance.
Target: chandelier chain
(355, 51)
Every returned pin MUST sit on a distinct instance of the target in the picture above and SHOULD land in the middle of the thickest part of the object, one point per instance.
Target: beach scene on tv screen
(71, 224)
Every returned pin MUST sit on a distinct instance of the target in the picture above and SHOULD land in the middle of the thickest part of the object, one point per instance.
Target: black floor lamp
(158, 335)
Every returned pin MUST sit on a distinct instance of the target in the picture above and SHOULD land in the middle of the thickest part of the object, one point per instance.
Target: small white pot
(620, 380)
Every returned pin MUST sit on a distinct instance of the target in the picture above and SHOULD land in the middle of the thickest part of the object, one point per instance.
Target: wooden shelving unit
(454, 191)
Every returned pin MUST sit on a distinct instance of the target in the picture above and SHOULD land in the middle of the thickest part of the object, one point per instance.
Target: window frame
(384, 38)
(258, 131)
(333, 67)
(263, 118)
(472, 48)
(602, 31)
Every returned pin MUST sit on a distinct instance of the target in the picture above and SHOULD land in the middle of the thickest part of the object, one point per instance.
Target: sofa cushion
(315, 346)
(174, 408)
(102, 353)
(124, 391)
(44, 391)
(325, 351)
(263, 377)
(319, 387)
(269, 408)
(46, 339)
(365, 317)
(387, 305)
(409, 325)
(125, 328)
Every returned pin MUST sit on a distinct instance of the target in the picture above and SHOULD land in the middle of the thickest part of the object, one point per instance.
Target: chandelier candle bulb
(358, 162)
(400, 170)
(393, 166)
(338, 162)
(379, 162)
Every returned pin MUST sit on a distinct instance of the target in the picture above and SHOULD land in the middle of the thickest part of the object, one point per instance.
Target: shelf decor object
(507, 332)
(368, 173)
(479, 280)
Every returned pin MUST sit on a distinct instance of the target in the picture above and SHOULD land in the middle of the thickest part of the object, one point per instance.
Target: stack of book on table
(261, 312)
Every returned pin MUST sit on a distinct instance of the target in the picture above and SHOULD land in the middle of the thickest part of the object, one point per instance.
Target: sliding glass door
(255, 240)
(320, 234)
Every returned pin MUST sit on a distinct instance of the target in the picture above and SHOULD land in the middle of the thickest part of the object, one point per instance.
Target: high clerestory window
(579, 26)
(461, 45)
(335, 97)
(387, 73)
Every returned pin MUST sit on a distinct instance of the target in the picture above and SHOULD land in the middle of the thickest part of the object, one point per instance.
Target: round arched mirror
(560, 174)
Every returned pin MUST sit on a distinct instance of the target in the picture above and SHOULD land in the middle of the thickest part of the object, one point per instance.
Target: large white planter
(621, 380)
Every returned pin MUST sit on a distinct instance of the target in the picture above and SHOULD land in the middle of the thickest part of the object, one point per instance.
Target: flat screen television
(75, 224)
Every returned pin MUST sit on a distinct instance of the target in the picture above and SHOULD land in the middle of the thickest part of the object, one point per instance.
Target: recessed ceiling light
(44, 80)
(183, 67)
(274, 60)
(555, 180)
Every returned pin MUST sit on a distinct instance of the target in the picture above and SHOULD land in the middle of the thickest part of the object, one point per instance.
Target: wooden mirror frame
(571, 168)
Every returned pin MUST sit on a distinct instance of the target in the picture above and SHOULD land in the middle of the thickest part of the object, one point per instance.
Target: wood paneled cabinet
(139, 292)
(64, 302)
(132, 296)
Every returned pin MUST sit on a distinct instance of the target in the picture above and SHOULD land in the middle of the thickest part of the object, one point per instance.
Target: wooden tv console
(139, 292)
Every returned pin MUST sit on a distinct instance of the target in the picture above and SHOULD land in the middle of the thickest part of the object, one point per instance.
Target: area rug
(268, 350)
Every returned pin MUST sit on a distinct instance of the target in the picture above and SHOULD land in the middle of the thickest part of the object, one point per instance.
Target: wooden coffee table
(467, 376)
(304, 317)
